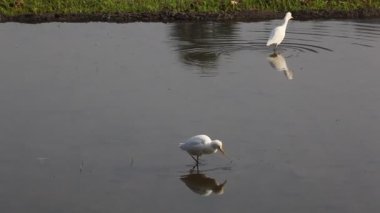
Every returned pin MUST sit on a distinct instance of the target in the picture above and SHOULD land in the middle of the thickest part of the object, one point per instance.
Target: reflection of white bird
(203, 185)
(278, 62)
(201, 144)
(278, 33)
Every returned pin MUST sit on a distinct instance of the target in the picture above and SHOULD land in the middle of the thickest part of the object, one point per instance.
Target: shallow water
(92, 114)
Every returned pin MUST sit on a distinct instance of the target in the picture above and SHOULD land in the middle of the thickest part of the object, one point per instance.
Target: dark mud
(243, 16)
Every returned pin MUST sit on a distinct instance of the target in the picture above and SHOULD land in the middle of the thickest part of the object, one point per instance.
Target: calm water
(92, 114)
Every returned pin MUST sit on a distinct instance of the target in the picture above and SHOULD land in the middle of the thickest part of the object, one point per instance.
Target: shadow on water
(199, 44)
(278, 62)
(201, 184)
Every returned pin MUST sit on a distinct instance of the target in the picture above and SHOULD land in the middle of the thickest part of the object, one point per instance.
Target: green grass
(17, 7)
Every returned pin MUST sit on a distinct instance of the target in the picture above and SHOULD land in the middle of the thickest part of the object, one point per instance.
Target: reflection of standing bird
(203, 185)
(201, 144)
(278, 62)
(278, 33)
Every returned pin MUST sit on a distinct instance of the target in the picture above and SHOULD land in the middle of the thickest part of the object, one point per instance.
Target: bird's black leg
(196, 160)
(274, 49)
(195, 166)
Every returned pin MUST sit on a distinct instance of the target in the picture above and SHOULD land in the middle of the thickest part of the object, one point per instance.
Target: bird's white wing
(201, 139)
(269, 42)
(276, 36)
(195, 143)
(192, 147)
(191, 144)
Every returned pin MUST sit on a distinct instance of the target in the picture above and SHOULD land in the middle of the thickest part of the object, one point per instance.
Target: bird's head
(288, 15)
(217, 144)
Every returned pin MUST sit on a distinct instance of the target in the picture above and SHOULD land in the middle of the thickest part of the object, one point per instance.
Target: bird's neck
(209, 149)
(285, 22)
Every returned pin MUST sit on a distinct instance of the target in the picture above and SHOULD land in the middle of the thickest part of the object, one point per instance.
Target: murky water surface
(92, 114)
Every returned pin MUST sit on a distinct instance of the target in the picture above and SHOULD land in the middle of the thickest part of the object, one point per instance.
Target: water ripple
(202, 44)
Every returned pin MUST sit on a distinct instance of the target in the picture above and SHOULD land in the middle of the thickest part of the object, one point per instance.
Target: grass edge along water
(22, 7)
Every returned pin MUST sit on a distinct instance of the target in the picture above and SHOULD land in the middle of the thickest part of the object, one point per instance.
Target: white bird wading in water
(200, 145)
(278, 33)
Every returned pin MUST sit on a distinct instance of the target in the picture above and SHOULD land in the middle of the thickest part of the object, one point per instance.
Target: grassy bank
(21, 7)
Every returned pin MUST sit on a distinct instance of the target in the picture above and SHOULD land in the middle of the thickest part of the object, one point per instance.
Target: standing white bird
(200, 145)
(278, 33)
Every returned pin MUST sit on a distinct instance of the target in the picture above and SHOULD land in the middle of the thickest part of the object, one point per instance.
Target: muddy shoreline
(241, 16)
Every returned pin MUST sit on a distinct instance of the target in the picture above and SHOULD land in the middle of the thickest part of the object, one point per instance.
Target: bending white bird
(201, 145)
(278, 33)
